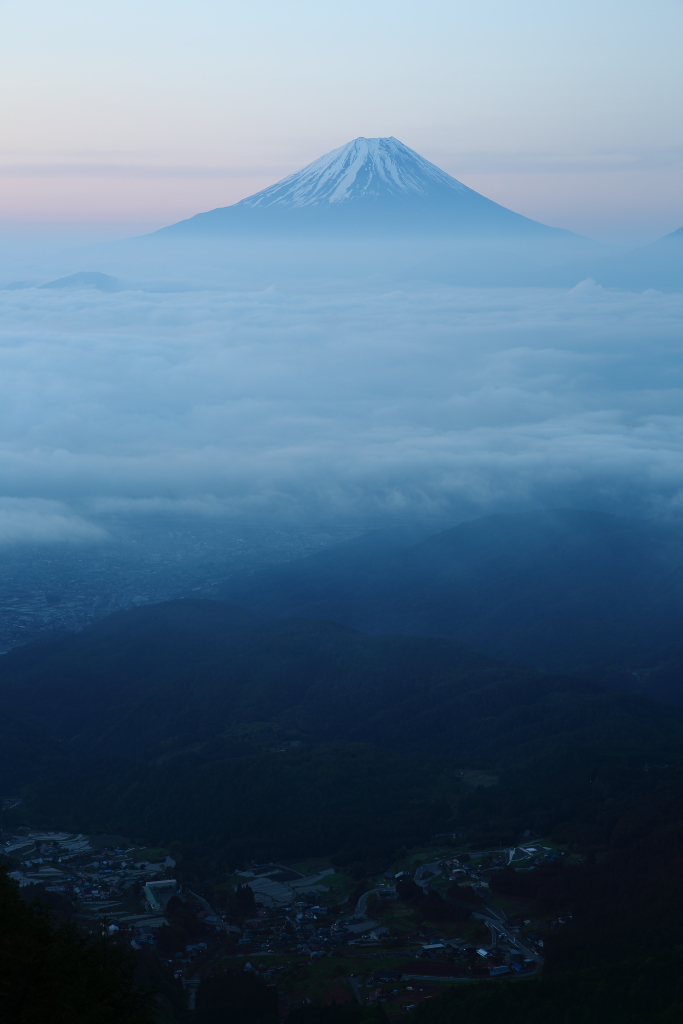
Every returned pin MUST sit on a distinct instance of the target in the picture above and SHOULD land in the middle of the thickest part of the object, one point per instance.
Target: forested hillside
(581, 592)
(267, 738)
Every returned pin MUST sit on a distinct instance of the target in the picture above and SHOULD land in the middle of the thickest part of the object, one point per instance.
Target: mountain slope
(658, 265)
(564, 590)
(26, 753)
(195, 668)
(254, 738)
(373, 186)
(362, 169)
(86, 279)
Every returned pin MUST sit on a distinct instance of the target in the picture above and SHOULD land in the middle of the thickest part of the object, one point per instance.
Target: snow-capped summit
(364, 168)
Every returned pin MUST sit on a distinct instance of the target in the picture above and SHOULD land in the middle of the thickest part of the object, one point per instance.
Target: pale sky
(146, 112)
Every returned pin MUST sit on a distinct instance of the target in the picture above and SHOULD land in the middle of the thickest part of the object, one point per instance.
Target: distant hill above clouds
(86, 279)
(90, 280)
(658, 265)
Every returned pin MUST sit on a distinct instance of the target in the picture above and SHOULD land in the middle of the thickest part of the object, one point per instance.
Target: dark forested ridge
(580, 592)
(242, 735)
(193, 668)
(232, 800)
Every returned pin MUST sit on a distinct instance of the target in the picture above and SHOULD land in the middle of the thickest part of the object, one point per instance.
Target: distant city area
(49, 589)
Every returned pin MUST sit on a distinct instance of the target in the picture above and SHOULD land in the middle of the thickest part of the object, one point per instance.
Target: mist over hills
(194, 668)
(371, 210)
(100, 282)
(336, 706)
(658, 265)
(375, 206)
(566, 590)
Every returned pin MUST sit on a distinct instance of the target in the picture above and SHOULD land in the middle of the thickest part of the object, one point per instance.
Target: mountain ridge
(657, 265)
(566, 590)
(264, 738)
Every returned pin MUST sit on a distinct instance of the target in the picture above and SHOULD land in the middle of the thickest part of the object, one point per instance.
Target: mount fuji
(364, 169)
(372, 186)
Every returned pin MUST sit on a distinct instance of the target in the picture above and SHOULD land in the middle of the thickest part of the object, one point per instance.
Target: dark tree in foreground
(183, 927)
(344, 1013)
(430, 906)
(49, 972)
(242, 903)
(408, 890)
(240, 998)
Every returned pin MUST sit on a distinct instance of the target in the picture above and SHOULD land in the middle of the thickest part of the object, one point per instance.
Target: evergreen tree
(239, 998)
(52, 974)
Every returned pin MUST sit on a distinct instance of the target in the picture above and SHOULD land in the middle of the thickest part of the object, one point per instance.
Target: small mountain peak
(364, 168)
(86, 279)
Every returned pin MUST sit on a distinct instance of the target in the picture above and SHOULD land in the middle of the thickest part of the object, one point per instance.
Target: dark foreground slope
(565, 590)
(646, 990)
(618, 959)
(51, 972)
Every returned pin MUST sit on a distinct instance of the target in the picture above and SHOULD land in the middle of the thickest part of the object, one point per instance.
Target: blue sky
(146, 112)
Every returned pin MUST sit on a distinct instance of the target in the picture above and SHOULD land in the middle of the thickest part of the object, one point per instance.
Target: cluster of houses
(298, 915)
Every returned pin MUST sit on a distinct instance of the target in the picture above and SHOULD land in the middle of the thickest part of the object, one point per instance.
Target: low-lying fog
(367, 404)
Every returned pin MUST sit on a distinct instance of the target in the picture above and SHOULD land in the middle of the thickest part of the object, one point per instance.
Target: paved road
(434, 869)
(496, 922)
(498, 919)
(353, 982)
(493, 917)
(361, 905)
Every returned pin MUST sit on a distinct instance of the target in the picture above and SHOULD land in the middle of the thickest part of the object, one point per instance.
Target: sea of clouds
(373, 405)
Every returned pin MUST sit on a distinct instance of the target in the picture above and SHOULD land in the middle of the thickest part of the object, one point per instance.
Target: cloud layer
(36, 521)
(320, 404)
